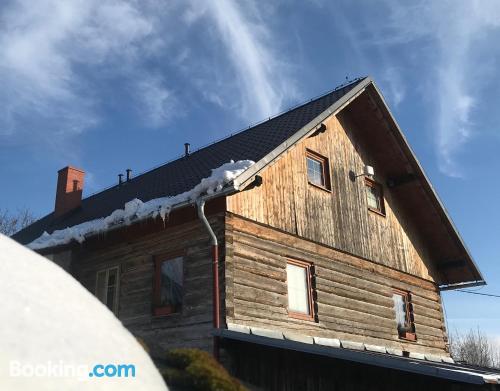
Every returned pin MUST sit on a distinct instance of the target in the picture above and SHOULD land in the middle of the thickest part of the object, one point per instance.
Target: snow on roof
(135, 209)
(53, 331)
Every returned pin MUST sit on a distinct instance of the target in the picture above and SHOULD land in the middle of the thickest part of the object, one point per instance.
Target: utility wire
(478, 293)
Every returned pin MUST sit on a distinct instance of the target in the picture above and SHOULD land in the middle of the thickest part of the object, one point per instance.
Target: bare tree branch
(475, 348)
(10, 223)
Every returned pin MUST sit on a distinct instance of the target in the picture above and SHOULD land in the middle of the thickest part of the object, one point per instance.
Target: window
(300, 298)
(375, 196)
(107, 285)
(317, 170)
(169, 281)
(404, 315)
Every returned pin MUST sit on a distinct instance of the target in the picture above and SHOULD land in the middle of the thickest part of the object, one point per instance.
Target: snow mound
(50, 322)
(137, 210)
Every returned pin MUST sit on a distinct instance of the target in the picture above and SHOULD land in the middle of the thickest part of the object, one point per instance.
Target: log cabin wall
(360, 256)
(190, 328)
(353, 295)
(338, 218)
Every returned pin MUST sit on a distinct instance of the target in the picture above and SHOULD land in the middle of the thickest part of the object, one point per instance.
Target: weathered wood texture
(354, 296)
(190, 328)
(339, 218)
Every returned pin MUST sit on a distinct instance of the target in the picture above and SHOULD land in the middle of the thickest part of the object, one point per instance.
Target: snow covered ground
(135, 209)
(53, 331)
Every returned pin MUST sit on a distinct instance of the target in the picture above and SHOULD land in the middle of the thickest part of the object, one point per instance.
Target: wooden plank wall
(273, 369)
(190, 328)
(339, 218)
(354, 296)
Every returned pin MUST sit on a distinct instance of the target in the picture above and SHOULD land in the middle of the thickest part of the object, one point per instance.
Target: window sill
(165, 311)
(320, 187)
(410, 337)
(300, 316)
(376, 211)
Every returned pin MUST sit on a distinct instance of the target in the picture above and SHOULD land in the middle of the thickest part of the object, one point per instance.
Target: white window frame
(309, 315)
(106, 280)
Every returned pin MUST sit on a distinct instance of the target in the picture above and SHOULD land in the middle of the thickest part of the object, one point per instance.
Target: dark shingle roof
(183, 174)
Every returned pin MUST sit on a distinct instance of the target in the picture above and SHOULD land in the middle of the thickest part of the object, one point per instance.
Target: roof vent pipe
(186, 149)
(129, 174)
(120, 179)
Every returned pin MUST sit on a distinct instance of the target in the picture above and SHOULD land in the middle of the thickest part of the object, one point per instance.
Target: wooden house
(320, 266)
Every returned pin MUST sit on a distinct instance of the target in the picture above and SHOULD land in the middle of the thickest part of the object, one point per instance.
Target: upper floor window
(169, 281)
(404, 315)
(375, 196)
(107, 287)
(318, 172)
(300, 298)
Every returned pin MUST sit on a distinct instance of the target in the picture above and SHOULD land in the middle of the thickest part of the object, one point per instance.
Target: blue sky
(107, 85)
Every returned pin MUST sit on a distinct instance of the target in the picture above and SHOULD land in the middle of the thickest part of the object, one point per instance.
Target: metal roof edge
(460, 285)
(361, 357)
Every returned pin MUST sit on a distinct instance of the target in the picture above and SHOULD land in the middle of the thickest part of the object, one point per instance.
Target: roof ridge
(235, 133)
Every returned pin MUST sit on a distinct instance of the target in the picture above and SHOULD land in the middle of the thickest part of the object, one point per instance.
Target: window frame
(106, 280)
(325, 170)
(159, 310)
(376, 185)
(407, 335)
(310, 291)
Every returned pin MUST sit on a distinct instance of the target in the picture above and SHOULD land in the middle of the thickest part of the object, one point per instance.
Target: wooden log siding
(339, 218)
(354, 295)
(190, 328)
(274, 369)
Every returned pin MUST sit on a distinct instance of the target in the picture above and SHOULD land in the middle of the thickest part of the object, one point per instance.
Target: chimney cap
(72, 169)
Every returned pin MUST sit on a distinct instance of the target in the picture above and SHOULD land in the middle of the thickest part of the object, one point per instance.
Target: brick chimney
(69, 190)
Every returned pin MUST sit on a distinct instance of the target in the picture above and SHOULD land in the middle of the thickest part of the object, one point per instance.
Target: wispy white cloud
(460, 34)
(363, 37)
(444, 50)
(264, 82)
(49, 52)
(156, 102)
(446, 38)
(91, 183)
(392, 78)
(57, 58)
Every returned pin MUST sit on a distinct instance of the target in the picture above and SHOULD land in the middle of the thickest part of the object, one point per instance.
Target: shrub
(143, 344)
(193, 369)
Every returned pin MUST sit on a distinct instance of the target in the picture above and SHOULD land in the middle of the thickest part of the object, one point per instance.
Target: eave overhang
(452, 372)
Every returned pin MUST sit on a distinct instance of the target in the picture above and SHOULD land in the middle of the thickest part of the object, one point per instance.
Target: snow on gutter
(136, 210)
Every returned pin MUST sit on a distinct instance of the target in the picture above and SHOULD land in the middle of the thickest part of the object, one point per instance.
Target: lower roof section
(448, 371)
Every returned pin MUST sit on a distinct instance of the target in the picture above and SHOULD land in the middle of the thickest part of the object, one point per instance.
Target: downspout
(215, 274)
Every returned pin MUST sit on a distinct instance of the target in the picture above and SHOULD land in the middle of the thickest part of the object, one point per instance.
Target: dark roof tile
(184, 173)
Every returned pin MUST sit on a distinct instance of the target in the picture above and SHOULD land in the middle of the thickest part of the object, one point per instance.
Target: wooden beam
(401, 180)
(452, 264)
(321, 129)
